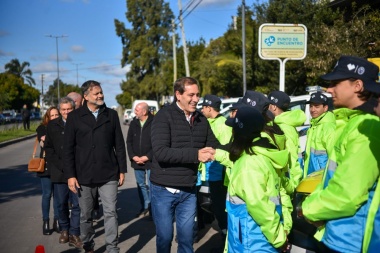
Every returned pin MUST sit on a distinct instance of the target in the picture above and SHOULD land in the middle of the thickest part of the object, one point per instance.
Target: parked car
(35, 116)
(18, 117)
(2, 119)
(127, 116)
(8, 117)
(153, 106)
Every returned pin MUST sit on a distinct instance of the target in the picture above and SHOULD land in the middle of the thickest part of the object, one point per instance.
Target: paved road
(21, 222)
(20, 212)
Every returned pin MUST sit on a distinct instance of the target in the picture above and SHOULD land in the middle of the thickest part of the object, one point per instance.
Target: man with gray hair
(94, 159)
(69, 224)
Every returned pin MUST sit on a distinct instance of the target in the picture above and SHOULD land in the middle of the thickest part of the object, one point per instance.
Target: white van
(153, 106)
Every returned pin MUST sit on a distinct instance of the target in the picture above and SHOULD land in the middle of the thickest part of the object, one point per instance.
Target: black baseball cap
(357, 68)
(256, 100)
(237, 105)
(279, 99)
(317, 98)
(211, 100)
(247, 121)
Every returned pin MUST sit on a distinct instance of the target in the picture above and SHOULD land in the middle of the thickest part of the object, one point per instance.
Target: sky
(89, 48)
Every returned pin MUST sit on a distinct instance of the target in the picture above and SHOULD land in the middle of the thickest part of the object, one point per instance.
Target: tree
(146, 46)
(331, 33)
(20, 70)
(51, 96)
(14, 93)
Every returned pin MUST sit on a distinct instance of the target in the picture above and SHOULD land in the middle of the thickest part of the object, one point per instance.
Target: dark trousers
(26, 123)
(218, 193)
(66, 221)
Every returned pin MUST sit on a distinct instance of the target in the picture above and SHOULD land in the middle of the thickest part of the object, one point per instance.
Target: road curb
(6, 143)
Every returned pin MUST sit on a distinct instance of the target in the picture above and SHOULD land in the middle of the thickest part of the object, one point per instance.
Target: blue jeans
(47, 193)
(66, 221)
(143, 187)
(165, 207)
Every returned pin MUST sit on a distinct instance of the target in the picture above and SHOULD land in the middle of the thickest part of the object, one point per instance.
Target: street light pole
(243, 46)
(76, 64)
(56, 45)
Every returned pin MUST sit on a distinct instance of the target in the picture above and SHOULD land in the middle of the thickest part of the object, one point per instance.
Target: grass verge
(14, 131)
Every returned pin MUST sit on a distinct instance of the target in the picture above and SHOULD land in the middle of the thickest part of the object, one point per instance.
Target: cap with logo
(279, 99)
(237, 105)
(211, 100)
(317, 98)
(256, 100)
(248, 121)
(357, 68)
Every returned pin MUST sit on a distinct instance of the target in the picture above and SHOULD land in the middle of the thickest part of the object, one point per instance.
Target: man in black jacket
(94, 159)
(139, 147)
(54, 139)
(25, 114)
(181, 138)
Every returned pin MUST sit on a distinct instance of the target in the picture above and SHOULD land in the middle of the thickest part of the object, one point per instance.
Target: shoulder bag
(36, 164)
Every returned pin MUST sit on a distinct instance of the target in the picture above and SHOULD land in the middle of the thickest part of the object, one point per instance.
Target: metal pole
(56, 44)
(174, 53)
(76, 64)
(183, 38)
(243, 45)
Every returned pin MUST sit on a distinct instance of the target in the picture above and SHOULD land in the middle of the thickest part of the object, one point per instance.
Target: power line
(200, 1)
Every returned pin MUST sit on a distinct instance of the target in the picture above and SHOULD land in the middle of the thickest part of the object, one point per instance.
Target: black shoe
(96, 215)
(56, 227)
(46, 228)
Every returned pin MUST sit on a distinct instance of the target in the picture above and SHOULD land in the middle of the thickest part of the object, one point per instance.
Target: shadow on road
(16, 182)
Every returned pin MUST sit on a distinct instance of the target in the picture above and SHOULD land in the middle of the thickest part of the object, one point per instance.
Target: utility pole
(174, 53)
(42, 93)
(243, 47)
(56, 44)
(183, 38)
(76, 64)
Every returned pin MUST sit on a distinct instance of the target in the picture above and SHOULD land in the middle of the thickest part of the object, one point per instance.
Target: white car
(127, 116)
(226, 103)
(299, 102)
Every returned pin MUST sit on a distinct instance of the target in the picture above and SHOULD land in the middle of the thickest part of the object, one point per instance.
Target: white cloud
(3, 53)
(113, 70)
(44, 67)
(62, 57)
(77, 48)
(216, 2)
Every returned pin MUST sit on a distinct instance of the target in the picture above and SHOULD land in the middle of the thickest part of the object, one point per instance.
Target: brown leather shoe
(75, 241)
(64, 238)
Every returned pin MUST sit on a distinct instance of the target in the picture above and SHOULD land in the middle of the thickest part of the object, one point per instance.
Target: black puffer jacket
(139, 142)
(175, 145)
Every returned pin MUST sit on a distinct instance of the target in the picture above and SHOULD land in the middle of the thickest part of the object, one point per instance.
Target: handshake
(206, 154)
